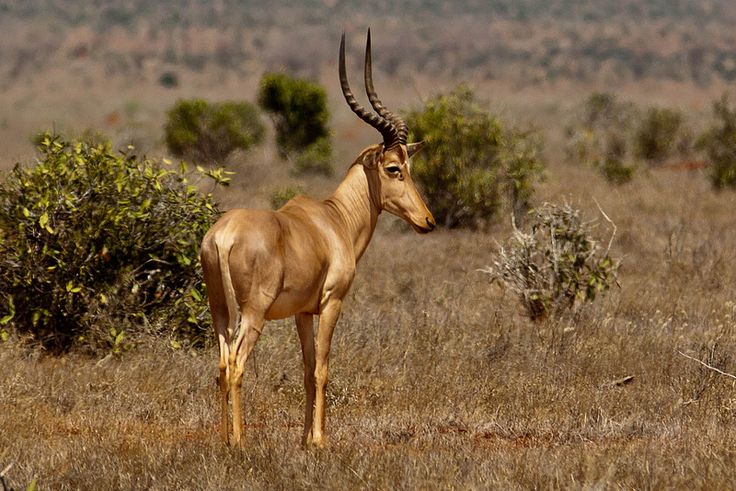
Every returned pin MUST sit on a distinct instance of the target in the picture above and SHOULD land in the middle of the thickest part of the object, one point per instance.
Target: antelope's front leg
(305, 327)
(327, 320)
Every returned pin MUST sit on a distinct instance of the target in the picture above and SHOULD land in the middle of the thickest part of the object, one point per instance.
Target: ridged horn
(384, 126)
(398, 123)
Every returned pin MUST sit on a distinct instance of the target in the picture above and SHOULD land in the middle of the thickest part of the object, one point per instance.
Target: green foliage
(280, 196)
(616, 171)
(96, 246)
(658, 133)
(210, 132)
(169, 80)
(315, 159)
(719, 143)
(470, 163)
(299, 111)
(555, 264)
(298, 108)
(613, 163)
(603, 109)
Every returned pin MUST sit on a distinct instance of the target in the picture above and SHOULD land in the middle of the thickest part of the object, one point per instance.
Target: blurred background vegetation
(564, 39)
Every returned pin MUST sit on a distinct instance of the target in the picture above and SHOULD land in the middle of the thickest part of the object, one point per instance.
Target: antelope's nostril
(430, 223)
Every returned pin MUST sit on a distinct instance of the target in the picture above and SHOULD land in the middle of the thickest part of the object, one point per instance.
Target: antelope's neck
(356, 207)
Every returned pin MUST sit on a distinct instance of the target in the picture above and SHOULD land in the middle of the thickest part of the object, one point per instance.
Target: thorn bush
(554, 265)
(96, 246)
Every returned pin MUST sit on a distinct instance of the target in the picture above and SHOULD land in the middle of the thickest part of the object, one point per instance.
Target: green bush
(616, 138)
(555, 264)
(614, 163)
(206, 132)
(298, 108)
(169, 80)
(470, 164)
(719, 143)
(601, 136)
(97, 246)
(300, 114)
(658, 134)
(604, 110)
(315, 159)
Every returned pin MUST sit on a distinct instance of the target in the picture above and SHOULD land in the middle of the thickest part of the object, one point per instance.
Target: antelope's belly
(294, 301)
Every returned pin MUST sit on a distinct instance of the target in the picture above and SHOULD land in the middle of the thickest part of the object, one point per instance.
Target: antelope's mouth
(424, 229)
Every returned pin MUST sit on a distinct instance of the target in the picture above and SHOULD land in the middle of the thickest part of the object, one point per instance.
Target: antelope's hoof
(315, 443)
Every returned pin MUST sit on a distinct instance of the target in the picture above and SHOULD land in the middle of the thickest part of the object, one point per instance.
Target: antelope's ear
(372, 157)
(412, 148)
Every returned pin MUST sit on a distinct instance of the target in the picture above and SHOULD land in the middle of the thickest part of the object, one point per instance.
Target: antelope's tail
(223, 254)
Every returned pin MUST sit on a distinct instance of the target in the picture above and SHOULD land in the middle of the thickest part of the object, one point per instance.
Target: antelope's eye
(393, 169)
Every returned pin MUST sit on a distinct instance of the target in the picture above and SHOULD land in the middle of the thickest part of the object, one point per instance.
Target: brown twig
(619, 382)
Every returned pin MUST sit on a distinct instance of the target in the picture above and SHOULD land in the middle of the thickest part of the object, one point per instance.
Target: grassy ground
(436, 380)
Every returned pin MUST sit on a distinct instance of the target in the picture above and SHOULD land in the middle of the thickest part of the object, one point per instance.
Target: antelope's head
(388, 164)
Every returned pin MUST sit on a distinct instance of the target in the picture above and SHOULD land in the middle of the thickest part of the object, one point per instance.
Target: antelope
(300, 259)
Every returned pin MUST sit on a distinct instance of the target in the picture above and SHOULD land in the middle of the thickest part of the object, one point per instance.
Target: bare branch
(710, 367)
(2, 477)
(610, 241)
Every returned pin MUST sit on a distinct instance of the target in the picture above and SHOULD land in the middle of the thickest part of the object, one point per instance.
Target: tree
(602, 137)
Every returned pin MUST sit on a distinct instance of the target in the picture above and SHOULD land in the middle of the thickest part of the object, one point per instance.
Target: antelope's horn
(384, 126)
(397, 122)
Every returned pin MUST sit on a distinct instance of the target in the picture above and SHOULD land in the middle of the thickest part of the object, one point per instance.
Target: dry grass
(436, 381)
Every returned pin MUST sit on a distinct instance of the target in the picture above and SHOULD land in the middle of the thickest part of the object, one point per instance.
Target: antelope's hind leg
(220, 321)
(252, 319)
(224, 389)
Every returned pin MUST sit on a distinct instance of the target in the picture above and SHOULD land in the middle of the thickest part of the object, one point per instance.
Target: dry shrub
(556, 263)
